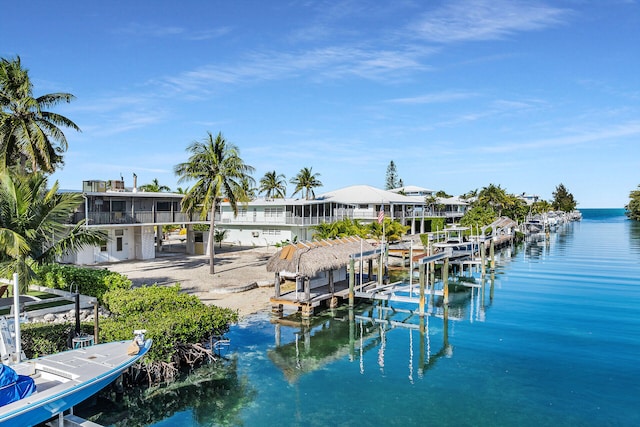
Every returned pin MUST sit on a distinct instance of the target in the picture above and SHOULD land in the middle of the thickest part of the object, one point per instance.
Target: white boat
(65, 379)
(454, 243)
(36, 390)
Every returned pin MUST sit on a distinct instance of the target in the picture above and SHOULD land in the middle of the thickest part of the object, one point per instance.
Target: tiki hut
(318, 263)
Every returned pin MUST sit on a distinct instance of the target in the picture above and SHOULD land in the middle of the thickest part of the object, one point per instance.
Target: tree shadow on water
(214, 394)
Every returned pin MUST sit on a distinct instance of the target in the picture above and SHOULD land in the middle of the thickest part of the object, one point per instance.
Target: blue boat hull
(39, 410)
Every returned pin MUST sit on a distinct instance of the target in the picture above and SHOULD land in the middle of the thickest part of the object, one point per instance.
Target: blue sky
(459, 94)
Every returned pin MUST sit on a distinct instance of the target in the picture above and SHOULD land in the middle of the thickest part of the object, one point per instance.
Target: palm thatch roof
(310, 258)
(502, 223)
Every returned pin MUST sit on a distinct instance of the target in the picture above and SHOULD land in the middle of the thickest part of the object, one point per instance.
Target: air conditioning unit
(255, 233)
(116, 185)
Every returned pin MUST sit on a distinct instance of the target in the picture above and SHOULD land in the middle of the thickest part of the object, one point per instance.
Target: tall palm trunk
(211, 235)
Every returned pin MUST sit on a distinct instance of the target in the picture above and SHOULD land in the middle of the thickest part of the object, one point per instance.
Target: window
(271, 232)
(273, 212)
(119, 244)
(103, 246)
(118, 206)
(163, 206)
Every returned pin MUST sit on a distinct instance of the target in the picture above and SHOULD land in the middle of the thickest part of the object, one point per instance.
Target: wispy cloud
(137, 29)
(485, 20)
(148, 30)
(587, 136)
(433, 98)
(333, 62)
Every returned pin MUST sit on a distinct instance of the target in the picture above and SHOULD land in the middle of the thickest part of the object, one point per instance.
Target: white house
(131, 218)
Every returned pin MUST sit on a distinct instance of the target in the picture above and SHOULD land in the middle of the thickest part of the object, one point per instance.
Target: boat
(454, 243)
(65, 379)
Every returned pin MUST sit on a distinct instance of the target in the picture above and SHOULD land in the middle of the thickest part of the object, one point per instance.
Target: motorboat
(42, 388)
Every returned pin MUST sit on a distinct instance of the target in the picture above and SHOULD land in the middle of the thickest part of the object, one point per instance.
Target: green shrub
(90, 281)
(39, 339)
(171, 319)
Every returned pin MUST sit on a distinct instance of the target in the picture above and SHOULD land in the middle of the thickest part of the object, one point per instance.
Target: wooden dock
(307, 300)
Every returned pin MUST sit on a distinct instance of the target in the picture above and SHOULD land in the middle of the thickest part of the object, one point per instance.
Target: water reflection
(634, 236)
(212, 395)
(353, 333)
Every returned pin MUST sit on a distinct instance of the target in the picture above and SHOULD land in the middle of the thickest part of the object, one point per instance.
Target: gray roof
(365, 194)
(412, 189)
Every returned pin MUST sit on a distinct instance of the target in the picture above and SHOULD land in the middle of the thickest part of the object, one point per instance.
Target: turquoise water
(552, 338)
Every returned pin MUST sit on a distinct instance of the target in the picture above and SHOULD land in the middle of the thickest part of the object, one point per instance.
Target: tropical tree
(273, 185)
(35, 226)
(218, 170)
(470, 195)
(495, 197)
(633, 208)
(305, 181)
(393, 230)
(563, 200)
(219, 235)
(516, 208)
(478, 216)
(343, 228)
(391, 180)
(247, 183)
(541, 206)
(155, 187)
(30, 136)
(431, 201)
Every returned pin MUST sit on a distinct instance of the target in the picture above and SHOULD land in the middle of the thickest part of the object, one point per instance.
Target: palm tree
(273, 185)
(248, 189)
(495, 197)
(28, 133)
(154, 187)
(305, 182)
(218, 171)
(34, 225)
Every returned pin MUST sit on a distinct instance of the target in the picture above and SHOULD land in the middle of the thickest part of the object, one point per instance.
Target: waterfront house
(133, 222)
(134, 219)
(269, 221)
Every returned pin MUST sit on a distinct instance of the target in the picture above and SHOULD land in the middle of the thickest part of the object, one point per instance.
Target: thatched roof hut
(502, 225)
(310, 258)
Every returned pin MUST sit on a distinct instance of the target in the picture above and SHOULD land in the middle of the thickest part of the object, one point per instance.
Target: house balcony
(139, 217)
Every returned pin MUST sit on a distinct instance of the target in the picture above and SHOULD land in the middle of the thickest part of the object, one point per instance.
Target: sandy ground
(240, 281)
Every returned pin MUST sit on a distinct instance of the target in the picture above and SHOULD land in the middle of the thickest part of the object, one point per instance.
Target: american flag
(380, 216)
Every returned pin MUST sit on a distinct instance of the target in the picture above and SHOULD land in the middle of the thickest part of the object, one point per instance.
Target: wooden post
(445, 281)
(307, 288)
(421, 301)
(352, 282)
(369, 268)
(433, 276)
(483, 260)
(331, 284)
(276, 284)
(96, 326)
(277, 309)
